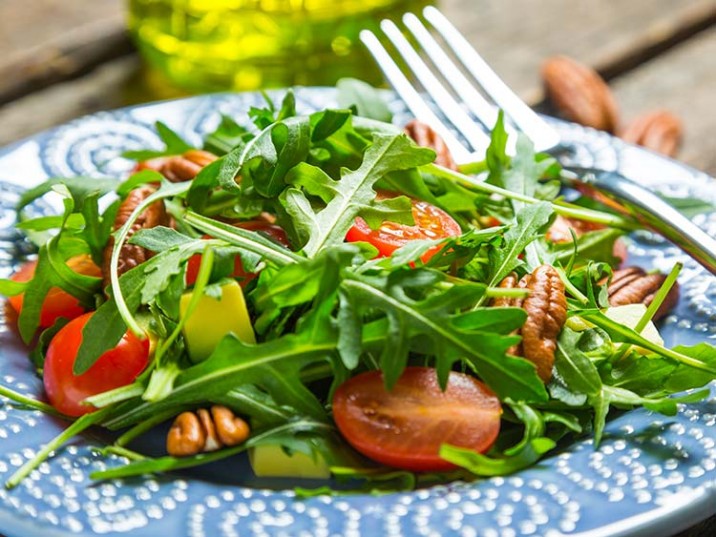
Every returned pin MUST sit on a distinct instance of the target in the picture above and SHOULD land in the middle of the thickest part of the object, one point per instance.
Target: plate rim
(689, 516)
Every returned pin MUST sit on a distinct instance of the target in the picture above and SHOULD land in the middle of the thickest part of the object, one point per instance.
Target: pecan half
(425, 136)
(579, 93)
(546, 308)
(632, 285)
(660, 131)
(180, 168)
(132, 255)
(205, 430)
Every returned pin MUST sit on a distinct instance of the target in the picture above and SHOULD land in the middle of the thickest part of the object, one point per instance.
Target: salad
(334, 296)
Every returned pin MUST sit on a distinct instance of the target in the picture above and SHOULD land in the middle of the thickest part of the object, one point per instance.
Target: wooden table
(63, 58)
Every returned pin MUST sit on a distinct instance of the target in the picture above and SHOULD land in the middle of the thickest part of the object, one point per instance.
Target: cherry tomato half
(405, 427)
(272, 230)
(430, 223)
(58, 303)
(115, 368)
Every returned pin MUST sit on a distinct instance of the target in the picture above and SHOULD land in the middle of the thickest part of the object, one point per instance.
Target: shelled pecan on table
(580, 94)
(660, 131)
(546, 308)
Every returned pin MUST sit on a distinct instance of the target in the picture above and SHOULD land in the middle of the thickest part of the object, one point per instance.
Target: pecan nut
(181, 168)
(546, 308)
(204, 430)
(580, 94)
(131, 255)
(425, 136)
(660, 131)
(632, 285)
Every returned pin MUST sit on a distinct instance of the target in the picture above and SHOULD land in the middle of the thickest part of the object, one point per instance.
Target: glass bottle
(248, 44)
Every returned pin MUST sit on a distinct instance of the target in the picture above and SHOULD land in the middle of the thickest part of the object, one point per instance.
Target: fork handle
(629, 198)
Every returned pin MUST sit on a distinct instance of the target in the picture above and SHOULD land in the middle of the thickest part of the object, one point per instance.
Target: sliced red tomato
(405, 427)
(272, 230)
(58, 303)
(430, 223)
(115, 368)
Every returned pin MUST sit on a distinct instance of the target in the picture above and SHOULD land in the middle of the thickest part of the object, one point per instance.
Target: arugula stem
(570, 287)
(162, 379)
(121, 237)
(75, 428)
(651, 310)
(144, 426)
(161, 382)
(248, 240)
(122, 452)
(163, 464)
(30, 402)
(495, 292)
(116, 395)
(604, 323)
(561, 208)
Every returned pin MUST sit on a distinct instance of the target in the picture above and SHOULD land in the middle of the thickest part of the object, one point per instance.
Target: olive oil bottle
(205, 45)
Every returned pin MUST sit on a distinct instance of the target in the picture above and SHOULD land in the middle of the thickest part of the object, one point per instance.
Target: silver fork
(633, 199)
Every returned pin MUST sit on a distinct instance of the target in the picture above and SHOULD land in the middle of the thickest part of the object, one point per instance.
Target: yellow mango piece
(213, 319)
(272, 461)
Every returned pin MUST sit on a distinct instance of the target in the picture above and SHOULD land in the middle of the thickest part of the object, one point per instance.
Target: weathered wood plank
(55, 40)
(515, 36)
(683, 81)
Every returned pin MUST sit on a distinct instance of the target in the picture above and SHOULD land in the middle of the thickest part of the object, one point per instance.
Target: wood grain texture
(54, 40)
(515, 36)
(684, 82)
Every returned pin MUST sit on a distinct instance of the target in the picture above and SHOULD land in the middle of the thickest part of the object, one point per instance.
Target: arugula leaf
(274, 366)
(573, 368)
(525, 171)
(530, 224)
(79, 188)
(278, 148)
(367, 100)
(173, 145)
(433, 318)
(227, 136)
(139, 285)
(353, 194)
(496, 158)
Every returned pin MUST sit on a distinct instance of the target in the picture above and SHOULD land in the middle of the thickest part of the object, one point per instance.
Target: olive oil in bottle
(247, 44)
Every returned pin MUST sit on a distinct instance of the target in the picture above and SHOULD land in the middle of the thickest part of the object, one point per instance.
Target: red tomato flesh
(430, 223)
(404, 428)
(58, 303)
(272, 230)
(115, 368)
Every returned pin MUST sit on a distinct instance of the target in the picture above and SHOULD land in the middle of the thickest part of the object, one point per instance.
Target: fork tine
(526, 120)
(411, 97)
(447, 104)
(472, 98)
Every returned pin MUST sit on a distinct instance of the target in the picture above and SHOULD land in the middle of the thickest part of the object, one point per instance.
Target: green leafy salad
(317, 292)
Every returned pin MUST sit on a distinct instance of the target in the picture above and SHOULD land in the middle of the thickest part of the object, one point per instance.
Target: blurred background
(63, 58)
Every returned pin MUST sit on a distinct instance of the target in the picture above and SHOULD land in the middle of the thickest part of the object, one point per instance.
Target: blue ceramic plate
(652, 475)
